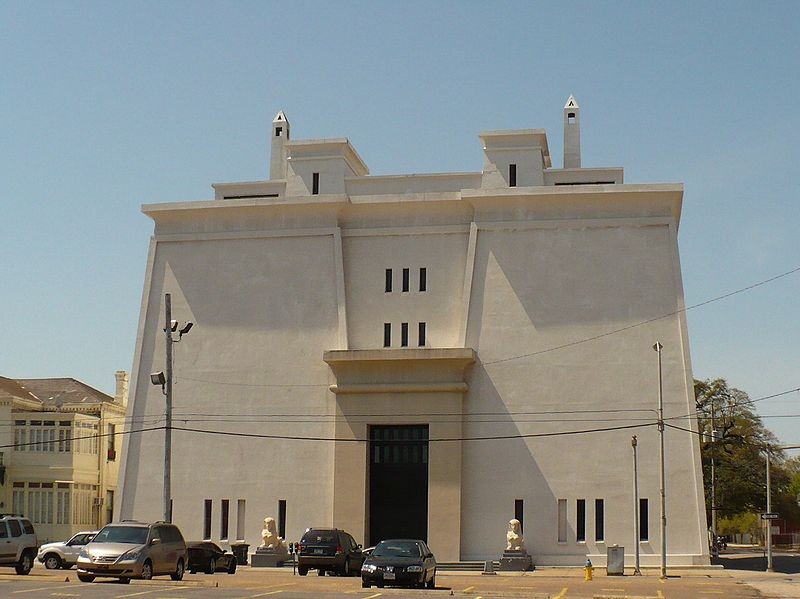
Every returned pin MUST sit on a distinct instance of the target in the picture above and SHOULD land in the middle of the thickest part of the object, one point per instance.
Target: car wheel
(25, 563)
(192, 571)
(211, 567)
(345, 571)
(320, 572)
(365, 584)
(178, 573)
(432, 581)
(147, 570)
(85, 577)
(232, 567)
(302, 570)
(52, 561)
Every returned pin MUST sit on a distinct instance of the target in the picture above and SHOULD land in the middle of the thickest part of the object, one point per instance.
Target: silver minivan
(130, 549)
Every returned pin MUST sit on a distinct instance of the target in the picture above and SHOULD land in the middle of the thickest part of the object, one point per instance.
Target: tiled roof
(14, 389)
(58, 391)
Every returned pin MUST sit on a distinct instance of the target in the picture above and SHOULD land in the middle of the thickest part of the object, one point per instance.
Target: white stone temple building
(424, 355)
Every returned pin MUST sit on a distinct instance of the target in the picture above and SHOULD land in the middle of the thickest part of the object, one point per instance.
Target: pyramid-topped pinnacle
(280, 117)
(571, 102)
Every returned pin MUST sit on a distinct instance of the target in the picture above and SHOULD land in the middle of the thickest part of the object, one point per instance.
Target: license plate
(317, 551)
(388, 575)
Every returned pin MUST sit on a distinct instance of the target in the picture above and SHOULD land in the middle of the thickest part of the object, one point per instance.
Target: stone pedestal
(516, 561)
(268, 558)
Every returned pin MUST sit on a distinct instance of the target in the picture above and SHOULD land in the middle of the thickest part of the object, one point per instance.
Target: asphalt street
(551, 583)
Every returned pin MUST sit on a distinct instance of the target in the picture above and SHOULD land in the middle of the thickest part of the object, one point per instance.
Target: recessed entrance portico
(396, 390)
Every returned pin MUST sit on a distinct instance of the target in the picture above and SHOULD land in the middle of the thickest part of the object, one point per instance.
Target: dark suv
(329, 550)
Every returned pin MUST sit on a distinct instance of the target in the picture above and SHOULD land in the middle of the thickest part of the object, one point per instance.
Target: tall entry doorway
(398, 482)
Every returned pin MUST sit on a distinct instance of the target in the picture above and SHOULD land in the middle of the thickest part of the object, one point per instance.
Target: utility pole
(658, 347)
(637, 532)
(768, 522)
(713, 477)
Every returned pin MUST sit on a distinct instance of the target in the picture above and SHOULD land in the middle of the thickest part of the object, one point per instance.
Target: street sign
(769, 516)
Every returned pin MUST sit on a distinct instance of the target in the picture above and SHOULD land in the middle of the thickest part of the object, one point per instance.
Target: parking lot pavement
(269, 583)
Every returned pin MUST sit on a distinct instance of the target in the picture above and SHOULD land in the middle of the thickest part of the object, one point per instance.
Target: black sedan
(400, 562)
(207, 557)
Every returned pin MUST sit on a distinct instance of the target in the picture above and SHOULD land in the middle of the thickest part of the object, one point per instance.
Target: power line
(643, 322)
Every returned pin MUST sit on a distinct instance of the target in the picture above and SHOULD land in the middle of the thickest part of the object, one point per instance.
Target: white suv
(18, 543)
(65, 553)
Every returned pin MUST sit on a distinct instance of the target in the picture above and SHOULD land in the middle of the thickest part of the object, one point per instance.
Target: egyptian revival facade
(422, 355)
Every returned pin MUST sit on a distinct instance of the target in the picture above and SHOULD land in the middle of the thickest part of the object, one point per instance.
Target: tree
(738, 452)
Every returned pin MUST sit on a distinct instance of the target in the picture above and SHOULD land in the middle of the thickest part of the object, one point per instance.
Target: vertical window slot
(315, 184)
(240, 515)
(206, 519)
(282, 518)
(223, 519)
(388, 284)
(580, 521)
(644, 520)
(562, 520)
(599, 520)
(406, 277)
(422, 331)
(423, 279)
(404, 334)
(387, 334)
(512, 175)
(519, 514)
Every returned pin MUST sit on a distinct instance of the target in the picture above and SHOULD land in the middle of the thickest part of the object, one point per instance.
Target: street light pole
(658, 347)
(164, 379)
(168, 419)
(637, 532)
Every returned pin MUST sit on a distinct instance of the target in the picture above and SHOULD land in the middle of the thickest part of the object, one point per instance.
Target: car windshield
(135, 535)
(397, 549)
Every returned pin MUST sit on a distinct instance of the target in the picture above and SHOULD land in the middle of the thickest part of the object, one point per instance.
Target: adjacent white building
(422, 355)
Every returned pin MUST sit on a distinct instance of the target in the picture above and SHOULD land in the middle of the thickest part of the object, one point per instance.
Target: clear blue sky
(108, 105)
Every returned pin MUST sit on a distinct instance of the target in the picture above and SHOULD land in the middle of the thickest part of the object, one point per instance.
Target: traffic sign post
(769, 516)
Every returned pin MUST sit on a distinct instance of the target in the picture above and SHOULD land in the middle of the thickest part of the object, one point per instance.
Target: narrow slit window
(223, 519)
(278, 131)
(422, 340)
(580, 521)
(519, 514)
(387, 334)
(406, 278)
(644, 520)
(571, 118)
(315, 184)
(599, 520)
(512, 175)
(423, 279)
(207, 519)
(240, 515)
(388, 284)
(562, 520)
(404, 334)
(282, 518)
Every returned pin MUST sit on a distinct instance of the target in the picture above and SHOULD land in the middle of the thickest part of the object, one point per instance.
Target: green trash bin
(240, 552)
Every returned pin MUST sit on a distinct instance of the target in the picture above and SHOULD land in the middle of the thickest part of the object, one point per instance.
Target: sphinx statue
(514, 539)
(270, 541)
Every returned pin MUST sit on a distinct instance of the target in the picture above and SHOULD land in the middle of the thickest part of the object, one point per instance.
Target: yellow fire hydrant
(588, 570)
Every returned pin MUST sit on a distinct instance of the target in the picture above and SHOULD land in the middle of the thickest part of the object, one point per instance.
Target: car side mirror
(155, 541)
(359, 546)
